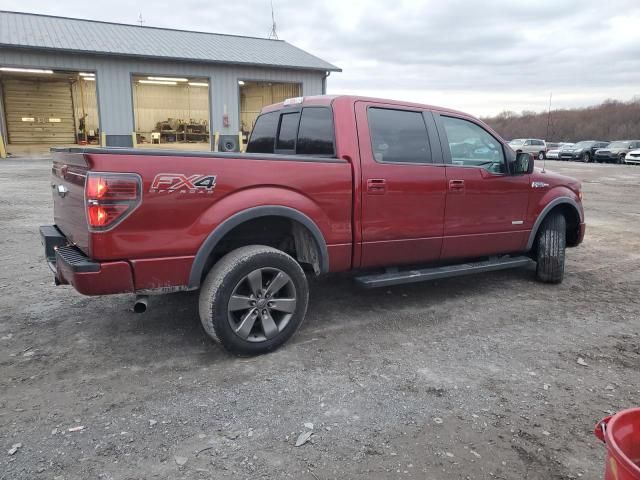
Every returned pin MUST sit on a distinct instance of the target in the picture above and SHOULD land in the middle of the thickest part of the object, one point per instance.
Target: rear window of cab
(307, 131)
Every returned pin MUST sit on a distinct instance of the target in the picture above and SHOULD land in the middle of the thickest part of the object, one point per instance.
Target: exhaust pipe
(140, 305)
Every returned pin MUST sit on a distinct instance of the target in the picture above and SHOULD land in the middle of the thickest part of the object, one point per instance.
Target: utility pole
(549, 116)
(140, 19)
(544, 163)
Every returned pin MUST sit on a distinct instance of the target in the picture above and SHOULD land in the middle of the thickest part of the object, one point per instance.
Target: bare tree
(611, 120)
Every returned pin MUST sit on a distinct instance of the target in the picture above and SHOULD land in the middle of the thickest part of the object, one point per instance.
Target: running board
(413, 276)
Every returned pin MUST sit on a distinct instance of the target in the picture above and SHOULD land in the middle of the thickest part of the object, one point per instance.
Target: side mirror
(524, 164)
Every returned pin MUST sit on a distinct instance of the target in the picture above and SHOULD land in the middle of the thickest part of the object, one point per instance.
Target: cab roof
(328, 100)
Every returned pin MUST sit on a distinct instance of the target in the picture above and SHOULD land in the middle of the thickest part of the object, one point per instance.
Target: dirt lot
(473, 378)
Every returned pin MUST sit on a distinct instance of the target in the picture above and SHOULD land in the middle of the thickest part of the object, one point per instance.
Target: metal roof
(33, 31)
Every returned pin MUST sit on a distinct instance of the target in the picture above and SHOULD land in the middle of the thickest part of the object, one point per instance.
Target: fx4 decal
(177, 182)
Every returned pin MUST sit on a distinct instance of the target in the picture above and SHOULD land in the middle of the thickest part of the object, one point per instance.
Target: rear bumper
(71, 266)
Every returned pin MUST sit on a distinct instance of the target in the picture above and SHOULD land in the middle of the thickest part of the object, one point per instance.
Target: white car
(633, 157)
(554, 153)
(534, 146)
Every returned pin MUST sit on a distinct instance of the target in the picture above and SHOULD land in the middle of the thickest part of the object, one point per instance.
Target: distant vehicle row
(584, 151)
(620, 151)
(623, 151)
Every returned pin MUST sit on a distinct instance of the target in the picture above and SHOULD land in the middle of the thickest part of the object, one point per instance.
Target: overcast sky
(482, 56)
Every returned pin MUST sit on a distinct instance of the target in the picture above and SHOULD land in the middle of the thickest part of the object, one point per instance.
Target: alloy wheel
(261, 305)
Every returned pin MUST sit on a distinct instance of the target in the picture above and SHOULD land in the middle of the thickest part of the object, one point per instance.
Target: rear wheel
(253, 300)
(551, 246)
(541, 156)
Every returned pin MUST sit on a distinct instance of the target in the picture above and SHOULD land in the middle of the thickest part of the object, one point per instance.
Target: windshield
(582, 144)
(619, 145)
(517, 141)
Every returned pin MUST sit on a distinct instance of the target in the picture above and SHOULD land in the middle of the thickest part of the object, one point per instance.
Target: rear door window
(263, 137)
(315, 135)
(398, 136)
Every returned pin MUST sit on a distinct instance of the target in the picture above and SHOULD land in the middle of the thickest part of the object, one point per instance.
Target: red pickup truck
(398, 192)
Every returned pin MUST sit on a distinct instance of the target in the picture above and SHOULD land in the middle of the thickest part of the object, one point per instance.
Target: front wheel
(253, 300)
(541, 156)
(586, 158)
(551, 246)
(621, 160)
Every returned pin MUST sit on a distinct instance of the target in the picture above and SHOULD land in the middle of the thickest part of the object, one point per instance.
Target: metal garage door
(38, 112)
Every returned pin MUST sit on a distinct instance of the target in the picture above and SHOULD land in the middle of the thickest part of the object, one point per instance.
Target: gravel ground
(474, 377)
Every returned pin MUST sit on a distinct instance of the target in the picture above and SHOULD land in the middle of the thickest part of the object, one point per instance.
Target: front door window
(472, 146)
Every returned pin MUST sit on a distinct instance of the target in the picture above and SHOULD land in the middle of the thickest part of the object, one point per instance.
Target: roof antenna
(274, 34)
(544, 163)
(140, 19)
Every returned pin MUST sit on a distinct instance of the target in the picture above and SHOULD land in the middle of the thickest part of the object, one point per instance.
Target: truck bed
(163, 234)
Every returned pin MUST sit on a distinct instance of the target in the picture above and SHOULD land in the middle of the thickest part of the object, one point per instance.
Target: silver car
(534, 146)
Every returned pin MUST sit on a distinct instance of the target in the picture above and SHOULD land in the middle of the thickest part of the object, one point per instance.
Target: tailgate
(68, 177)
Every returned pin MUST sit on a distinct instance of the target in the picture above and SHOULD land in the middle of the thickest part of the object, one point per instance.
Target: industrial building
(65, 81)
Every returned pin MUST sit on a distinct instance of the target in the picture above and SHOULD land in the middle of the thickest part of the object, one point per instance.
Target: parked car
(583, 151)
(633, 157)
(554, 153)
(595, 148)
(330, 184)
(616, 151)
(534, 146)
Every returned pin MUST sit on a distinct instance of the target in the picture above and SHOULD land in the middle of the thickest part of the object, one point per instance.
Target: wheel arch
(251, 214)
(569, 208)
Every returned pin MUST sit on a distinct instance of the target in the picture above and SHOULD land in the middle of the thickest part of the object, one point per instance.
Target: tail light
(110, 198)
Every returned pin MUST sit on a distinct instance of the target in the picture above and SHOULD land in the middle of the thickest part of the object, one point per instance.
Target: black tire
(621, 160)
(551, 246)
(541, 155)
(586, 157)
(225, 279)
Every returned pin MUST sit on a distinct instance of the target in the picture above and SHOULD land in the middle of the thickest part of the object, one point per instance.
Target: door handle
(456, 185)
(376, 186)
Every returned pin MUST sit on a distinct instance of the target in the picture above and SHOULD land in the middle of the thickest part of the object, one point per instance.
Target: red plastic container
(621, 434)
